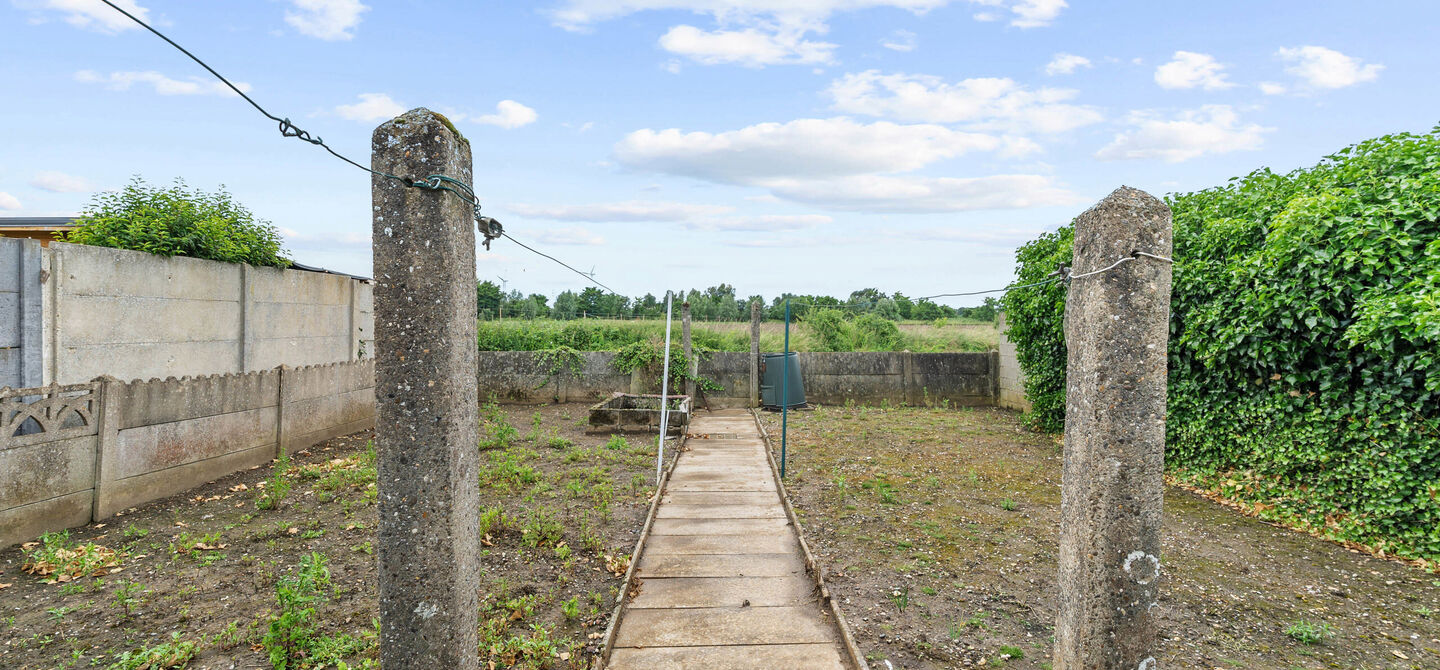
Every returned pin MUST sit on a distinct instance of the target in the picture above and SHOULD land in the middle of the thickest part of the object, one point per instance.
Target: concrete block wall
(21, 313)
(130, 314)
(1011, 394)
(108, 445)
(829, 378)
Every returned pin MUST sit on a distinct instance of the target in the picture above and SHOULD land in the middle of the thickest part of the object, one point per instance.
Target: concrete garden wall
(92, 311)
(77, 453)
(1012, 378)
(829, 378)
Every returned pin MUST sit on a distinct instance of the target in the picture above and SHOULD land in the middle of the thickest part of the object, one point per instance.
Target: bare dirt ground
(938, 529)
(564, 512)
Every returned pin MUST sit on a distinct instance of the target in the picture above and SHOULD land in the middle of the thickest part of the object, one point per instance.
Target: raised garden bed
(631, 413)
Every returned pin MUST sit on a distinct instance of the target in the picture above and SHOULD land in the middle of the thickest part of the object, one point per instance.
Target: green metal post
(785, 391)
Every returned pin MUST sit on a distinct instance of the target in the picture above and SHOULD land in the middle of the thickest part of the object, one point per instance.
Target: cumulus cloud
(1212, 129)
(1319, 67)
(326, 19)
(986, 103)
(1272, 88)
(900, 40)
(1064, 63)
(89, 14)
(840, 164)
(59, 182)
(509, 114)
(8, 202)
(194, 85)
(750, 47)
(372, 107)
(813, 147)
(571, 236)
(1035, 13)
(1190, 70)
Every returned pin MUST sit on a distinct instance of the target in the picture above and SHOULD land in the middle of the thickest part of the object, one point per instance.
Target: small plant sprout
(1309, 632)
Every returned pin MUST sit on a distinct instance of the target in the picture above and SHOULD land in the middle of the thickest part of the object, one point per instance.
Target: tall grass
(606, 335)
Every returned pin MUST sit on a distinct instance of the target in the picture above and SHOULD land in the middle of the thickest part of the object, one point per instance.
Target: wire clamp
(489, 227)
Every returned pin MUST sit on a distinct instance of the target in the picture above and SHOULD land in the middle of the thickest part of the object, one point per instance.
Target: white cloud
(900, 40)
(580, 14)
(1272, 88)
(508, 114)
(59, 182)
(1212, 129)
(194, 85)
(811, 147)
(1320, 67)
(326, 19)
(1064, 63)
(985, 103)
(1036, 13)
(572, 236)
(90, 14)
(621, 212)
(750, 47)
(764, 222)
(882, 193)
(372, 107)
(1190, 70)
(8, 201)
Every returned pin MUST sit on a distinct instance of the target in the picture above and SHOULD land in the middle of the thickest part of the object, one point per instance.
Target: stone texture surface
(426, 401)
(1116, 329)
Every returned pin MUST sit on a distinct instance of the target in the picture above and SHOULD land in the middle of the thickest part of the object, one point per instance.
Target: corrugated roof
(35, 221)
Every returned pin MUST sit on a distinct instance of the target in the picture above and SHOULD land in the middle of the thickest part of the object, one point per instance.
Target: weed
(978, 620)
(928, 590)
(58, 613)
(617, 443)
(535, 421)
(1307, 632)
(559, 443)
(541, 529)
(135, 532)
(363, 548)
(901, 598)
(1007, 505)
(575, 455)
(292, 632)
(491, 518)
(563, 551)
(571, 608)
(230, 637)
(498, 431)
(173, 654)
(127, 596)
(1424, 611)
(1011, 652)
(277, 487)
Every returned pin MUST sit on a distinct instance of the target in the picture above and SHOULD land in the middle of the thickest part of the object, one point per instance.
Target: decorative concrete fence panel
(152, 439)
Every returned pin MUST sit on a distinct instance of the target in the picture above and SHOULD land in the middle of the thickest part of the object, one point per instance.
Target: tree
(487, 299)
(566, 306)
(589, 302)
(178, 221)
(905, 305)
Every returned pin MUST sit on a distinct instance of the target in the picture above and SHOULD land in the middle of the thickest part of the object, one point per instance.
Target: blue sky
(784, 145)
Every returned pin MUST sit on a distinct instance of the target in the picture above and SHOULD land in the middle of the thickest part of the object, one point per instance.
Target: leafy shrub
(178, 221)
(1305, 326)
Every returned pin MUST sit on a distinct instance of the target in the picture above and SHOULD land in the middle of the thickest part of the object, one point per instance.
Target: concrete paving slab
(718, 498)
(771, 510)
(731, 485)
(735, 657)
(691, 592)
(777, 543)
(723, 626)
(720, 565)
(719, 526)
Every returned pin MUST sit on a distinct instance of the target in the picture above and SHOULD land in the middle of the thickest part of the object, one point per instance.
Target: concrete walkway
(722, 578)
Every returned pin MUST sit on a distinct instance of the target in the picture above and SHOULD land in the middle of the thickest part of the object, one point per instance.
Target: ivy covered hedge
(1304, 342)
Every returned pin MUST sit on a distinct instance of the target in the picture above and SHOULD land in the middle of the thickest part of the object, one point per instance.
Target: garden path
(722, 580)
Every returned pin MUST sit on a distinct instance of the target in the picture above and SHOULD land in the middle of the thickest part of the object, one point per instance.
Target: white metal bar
(664, 394)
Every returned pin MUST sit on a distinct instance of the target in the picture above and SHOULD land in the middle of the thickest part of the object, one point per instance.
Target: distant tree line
(716, 303)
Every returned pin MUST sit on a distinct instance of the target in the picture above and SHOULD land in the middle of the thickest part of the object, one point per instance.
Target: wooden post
(426, 398)
(690, 362)
(755, 354)
(1116, 330)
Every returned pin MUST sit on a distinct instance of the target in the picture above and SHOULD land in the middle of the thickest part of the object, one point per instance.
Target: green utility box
(772, 379)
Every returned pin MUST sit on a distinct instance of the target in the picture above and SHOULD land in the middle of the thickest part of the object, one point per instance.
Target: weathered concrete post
(690, 363)
(425, 397)
(1116, 329)
(755, 354)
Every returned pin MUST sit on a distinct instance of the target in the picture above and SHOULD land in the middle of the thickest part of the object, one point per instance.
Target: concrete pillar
(32, 315)
(690, 366)
(247, 315)
(107, 442)
(1116, 329)
(426, 398)
(755, 354)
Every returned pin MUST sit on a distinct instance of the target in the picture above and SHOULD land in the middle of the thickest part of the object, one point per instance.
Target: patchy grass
(237, 574)
(937, 531)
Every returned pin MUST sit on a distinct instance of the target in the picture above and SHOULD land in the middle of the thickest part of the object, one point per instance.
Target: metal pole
(664, 394)
(785, 391)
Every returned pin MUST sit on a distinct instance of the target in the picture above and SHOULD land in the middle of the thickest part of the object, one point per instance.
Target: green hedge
(1304, 342)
